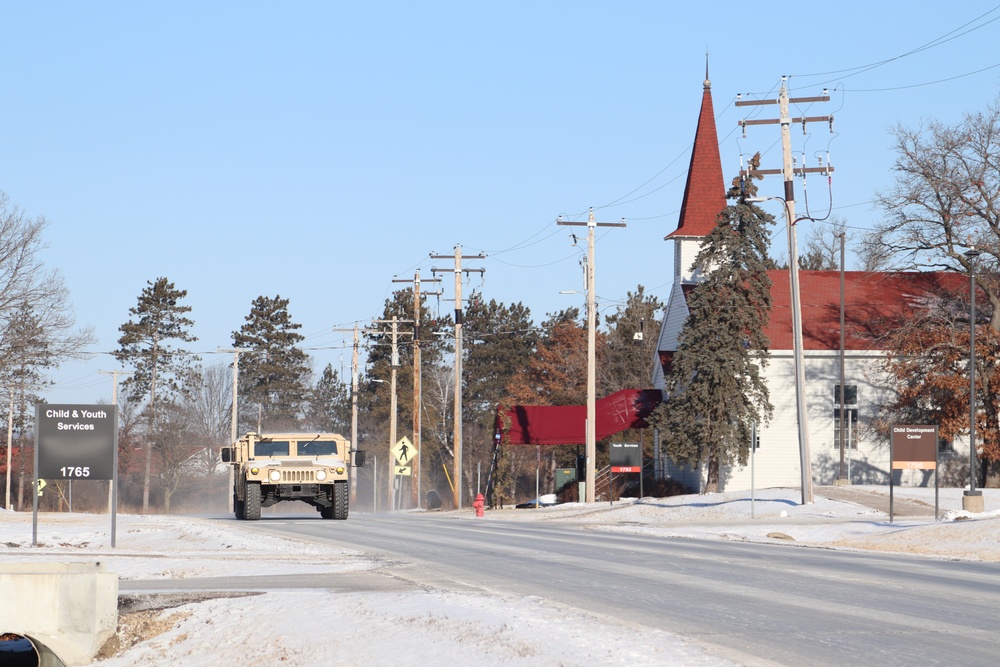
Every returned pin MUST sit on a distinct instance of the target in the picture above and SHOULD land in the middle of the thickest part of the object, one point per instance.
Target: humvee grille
(291, 476)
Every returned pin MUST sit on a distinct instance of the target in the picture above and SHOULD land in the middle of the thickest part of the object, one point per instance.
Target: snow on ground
(304, 628)
(826, 522)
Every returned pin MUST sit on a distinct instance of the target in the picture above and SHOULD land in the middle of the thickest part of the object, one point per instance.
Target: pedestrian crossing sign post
(404, 452)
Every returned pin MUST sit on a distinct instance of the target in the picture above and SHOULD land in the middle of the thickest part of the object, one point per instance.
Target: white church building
(870, 298)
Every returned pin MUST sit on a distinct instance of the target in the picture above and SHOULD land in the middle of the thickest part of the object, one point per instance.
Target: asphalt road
(756, 604)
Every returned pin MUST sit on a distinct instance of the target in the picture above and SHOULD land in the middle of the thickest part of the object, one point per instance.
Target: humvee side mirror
(359, 458)
(227, 454)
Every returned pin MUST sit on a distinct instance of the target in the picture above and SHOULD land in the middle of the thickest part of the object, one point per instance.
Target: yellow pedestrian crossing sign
(404, 451)
(41, 485)
(404, 471)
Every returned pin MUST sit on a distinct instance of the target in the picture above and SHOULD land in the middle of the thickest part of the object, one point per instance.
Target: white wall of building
(776, 463)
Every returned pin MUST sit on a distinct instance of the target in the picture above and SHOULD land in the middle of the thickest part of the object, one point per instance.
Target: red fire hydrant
(478, 504)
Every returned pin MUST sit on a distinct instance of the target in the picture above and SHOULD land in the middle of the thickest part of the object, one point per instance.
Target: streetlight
(972, 500)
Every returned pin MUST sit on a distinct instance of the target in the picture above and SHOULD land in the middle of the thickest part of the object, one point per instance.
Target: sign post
(914, 447)
(625, 457)
(76, 442)
(404, 452)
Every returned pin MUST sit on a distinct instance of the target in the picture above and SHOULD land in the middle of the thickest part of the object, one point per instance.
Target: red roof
(871, 300)
(705, 190)
(873, 303)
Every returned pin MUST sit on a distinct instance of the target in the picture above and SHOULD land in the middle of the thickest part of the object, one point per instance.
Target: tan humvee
(311, 467)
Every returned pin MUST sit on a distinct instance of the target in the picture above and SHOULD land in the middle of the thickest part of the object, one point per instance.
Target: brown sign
(914, 447)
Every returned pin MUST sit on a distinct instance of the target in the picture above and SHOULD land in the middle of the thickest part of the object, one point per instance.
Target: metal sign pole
(114, 478)
(34, 486)
(891, 469)
(753, 451)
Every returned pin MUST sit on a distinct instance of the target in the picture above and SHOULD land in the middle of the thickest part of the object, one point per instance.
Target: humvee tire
(341, 498)
(252, 502)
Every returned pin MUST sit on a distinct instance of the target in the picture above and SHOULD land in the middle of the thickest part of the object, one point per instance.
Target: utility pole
(114, 401)
(354, 412)
(354, 404)
(842, 477)
(417, 379)
(10, 435)
(395, 322)
(591, 437)
(789, 171)
(233, 420)
(458, 359)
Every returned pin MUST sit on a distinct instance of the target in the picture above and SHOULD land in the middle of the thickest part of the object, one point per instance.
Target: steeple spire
(705, 191)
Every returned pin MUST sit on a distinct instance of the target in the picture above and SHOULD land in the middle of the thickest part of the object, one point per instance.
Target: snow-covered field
(436, 626)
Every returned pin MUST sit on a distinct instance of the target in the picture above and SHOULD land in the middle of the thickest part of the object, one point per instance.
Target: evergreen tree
(498, 340)
(160, 370)
(715, 389)
(631, 343)
(329, 407)
(275, 374)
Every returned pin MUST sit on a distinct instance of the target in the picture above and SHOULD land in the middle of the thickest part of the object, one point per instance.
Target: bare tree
(822, 251)
(210, 410)
(438, 415)
(945, 199)
(36, 319)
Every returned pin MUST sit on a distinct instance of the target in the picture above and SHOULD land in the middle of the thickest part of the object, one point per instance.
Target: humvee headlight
(320, 475)
(340, 471)
(254, 470)
(274, 475)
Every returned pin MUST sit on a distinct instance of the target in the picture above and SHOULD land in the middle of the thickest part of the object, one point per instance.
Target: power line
(938, 41)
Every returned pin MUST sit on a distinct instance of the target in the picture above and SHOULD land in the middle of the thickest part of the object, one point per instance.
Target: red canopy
(566, 424)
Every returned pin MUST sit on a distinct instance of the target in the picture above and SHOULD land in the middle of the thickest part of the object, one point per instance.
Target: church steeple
(705, 190)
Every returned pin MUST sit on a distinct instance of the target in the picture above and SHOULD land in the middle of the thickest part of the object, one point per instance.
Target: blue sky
(317, 150)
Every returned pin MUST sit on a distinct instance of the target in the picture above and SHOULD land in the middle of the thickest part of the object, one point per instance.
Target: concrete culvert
(17, 651)
(21, 651)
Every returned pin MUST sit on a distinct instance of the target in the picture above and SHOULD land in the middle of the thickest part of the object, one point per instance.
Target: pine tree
(631, 343)
(329, 407)
(161, 371)
(275, 374)
(499, 340)
(715, 388)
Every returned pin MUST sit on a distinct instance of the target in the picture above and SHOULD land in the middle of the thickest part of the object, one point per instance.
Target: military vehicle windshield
(318, 448)
(271, 448)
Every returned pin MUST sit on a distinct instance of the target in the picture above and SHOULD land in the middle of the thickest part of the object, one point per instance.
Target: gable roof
(872, 301)
(705, 190)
